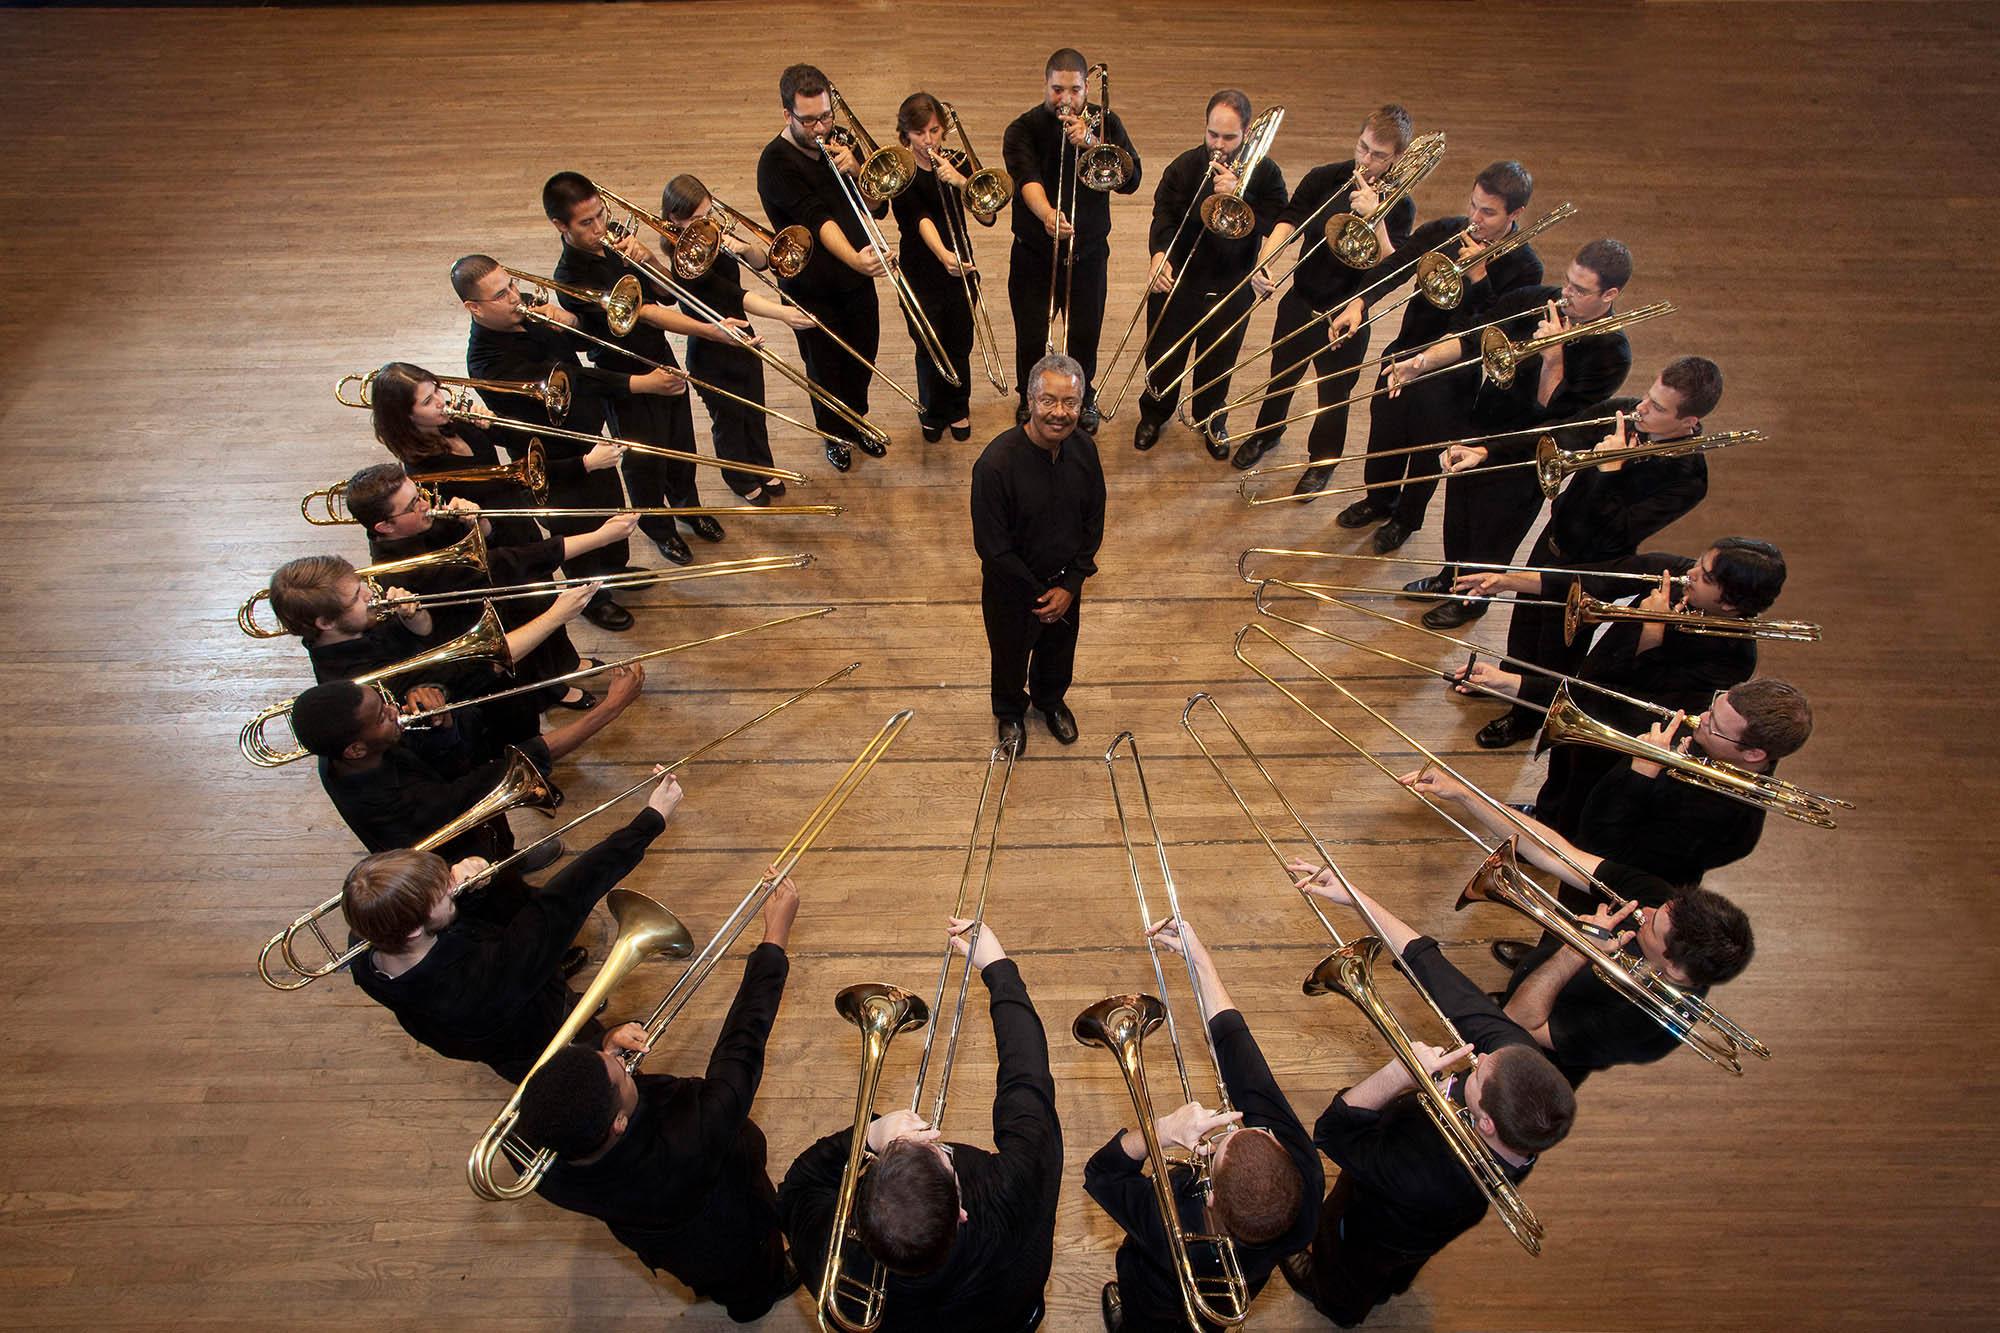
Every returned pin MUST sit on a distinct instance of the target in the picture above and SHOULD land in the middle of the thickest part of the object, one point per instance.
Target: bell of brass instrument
(1500, 356)
(691, 245)
(553, 391)
(1581, 609)
(1230, 215)
(1352, 239)
(530, 472)
(1103, 166)
(987, 189)
(886, 170)
(789, 250)
(620, 305)
(1442, 279)
(467, 553)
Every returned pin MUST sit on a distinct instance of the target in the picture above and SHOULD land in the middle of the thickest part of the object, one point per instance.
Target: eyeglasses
(823, 118)
(416, 501)
(1708, 720)
(1048, 404)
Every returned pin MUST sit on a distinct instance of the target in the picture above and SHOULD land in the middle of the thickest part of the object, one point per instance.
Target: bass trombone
(553, 390)
(1104, 166)
(532, 1163)
(691, 245)
(530, 472)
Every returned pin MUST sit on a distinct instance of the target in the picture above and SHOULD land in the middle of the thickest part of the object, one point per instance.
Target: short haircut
(390, 894)
(1390, 121)
(468, 272)
(1697, 380)
(800, 81)
(307, 590)
(393, 393)
(1068, 58)
(917, 111)
(1609, 260)
(1777, 718)
(1750, 573)
(681, 196)
(1235, 99)
(327, 718)
(1061, 365)
(1256, 1188)
(906, 1208)
(370, 490)
(562, 192)
(1510, 181)
(1710, 937)
(1531, 1104)
(569, 1104)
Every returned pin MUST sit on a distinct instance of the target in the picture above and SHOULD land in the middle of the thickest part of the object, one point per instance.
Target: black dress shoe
(541, 858)
(1146, 435)
(1088, 419)
(1216, 448)
(1450, 615)
(1062, 723)
(932, 434)
(774, 488)
(1252, 449)
(1014, 735)
(1428, 583)
(607, 614)
(759, 496)
(1313, 481)
(583, 703)
(673, 549)
(962, 432)
(1509, 953)
(1510, 728)
(840, 456)
(1361, 513)
(1390, 536)
(1112, 1306)
(871, 446)
(573, 960)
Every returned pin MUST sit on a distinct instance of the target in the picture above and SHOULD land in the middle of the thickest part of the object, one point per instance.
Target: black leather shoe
(1509, 953)
(607, 614)
(1062, 723)
(541, 858)
(759, 496)
(1012, 733)
(1088, 420)
(1248, 452)
(583, 703)
(1021, 412)
(1390, 536)
(840, 456)
(1361, 513)
(1450, 615)
(774, 488)
(703, 526)
(573, 960)
(1428, 583)
(674, 549)
(962, 433)
(932, 434)
(871, 446)
(1313, 481)
(1112, 1306)
(1510, 728)
(1146, 435)
(1216, 448)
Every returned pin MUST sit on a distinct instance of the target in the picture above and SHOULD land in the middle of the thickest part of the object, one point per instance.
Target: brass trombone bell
(530, 472)
(691, 245)
(1230, 215)
(1352, 239)
(886, 169)
(467, 553)
(553, 391)
(620, 305)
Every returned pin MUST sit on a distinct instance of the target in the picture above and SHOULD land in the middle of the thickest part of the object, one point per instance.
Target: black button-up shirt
(1211, 261)
(1321, 278)
(801, 190)
(601, 273)
(1034, 151)
(1038, 519)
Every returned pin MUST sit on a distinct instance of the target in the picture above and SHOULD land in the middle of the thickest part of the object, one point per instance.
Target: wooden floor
(209, 216)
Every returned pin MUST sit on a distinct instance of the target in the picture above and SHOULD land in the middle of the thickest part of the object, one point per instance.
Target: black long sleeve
(1424, 323)
(1032, 150)
(1204, 256)
(1471, 1010)
(1670, 828)
(1320, 277)
(1038, 520)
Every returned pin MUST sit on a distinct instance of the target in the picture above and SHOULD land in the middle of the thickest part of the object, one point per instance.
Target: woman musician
(931, 211)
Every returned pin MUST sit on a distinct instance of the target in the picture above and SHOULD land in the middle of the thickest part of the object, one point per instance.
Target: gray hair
(1056, 362)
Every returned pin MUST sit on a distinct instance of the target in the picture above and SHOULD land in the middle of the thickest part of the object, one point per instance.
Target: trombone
(330, 502)
(1104, 166)
(467, 553)
(1120, 1024)
(881, 1012)
(691, 245)
(787, 251)
(530, 472)
(553, 390)
(1248, 484)
(522, 786)
(532, 1163)
(1350, 971)
(1566, 722)
(985, 192)
(1688, 1018)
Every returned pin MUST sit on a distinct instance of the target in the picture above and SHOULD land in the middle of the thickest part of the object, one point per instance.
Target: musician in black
(1037, 521)
(798, 186)
(593, 261)
(931, 213)
(481, 978)
(1429, 412)
(1322, 286)
(740, 433)
(967, 1235)
(1199, 268)
(674, 1165)
(1041, 149)
(1402, 1195)
(1264, 1176)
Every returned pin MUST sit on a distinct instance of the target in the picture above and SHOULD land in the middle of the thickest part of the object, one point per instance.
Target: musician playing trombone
(967, 1235)
(1693, 937)
(929, 212)
(1265, 1176)
(1401, 1196)
(1193, 268)
(674, 1165)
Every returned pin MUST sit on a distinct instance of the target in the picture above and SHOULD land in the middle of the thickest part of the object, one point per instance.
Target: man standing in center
(1037, 521)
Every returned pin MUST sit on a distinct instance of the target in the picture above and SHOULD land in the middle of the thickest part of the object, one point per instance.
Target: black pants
(1487, 513)
(649, 479)
(1421, 415)
(1025, 649)
(856, 317)
(739, 434)
(1215, 343)
(1028, 294)
(1328, 437)
(593, 490)
(951, 320)
(1350, 1274)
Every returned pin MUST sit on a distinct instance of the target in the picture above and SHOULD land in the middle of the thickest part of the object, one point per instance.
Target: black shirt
(798, 189)
(1121, 1187)
(1593, 369)
(406, 797)
(721, 290)
(506, 563)
(526, 354)
(999, 1262)
(924, 199)
(565, 474)
(1321, 279)
(1031, 148)
(1424, 323)
(1037, 521)
(1667, 827)
(1601, 516)
(601, 273)
(1208, 261)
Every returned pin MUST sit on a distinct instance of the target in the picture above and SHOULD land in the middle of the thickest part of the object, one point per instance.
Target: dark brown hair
(1777, 717)
(390, 894)
(370, 490)
(1708, 937)
(906, 1208)
(1391, 122)
(1532, 1105)
(393, 393)
(1257, 1191)
(1697, 380)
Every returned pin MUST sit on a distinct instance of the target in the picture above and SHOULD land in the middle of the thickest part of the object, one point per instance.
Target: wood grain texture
(210, 215)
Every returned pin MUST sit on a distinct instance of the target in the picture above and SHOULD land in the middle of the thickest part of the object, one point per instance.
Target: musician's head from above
(1255, 1190)
(920, 126)
(1738, 576)
(1227, 117)
(1385, 133)
(907, 1207)
(1055, 391)
(1062, 81)
(408, 407)
(1685, 392)
(578, 1104)
(1595, 277)
(1697, 938)
(393, 899)
(489, 293)
(321, 597)
(1520, 1101)
(575, 210)
(808, 101)
(684, 198)
(1755, 724)
(344, 721)
(1499, 193)
(382, 498)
